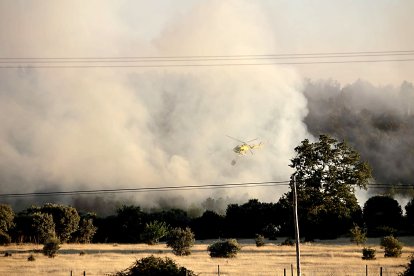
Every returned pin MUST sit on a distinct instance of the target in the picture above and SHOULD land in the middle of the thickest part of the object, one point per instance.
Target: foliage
(173, 217)
(51, 247)
(5, 239)
(326, 174)
(155, 266)
(130, 223)
(209, 226)
(31, 258)
(85, 232)
(409, 269)
(42, 226)
(260, 240)
(392, 246)
(368, 253)
(181, 240)
(358, 235)
(246, 220)
(154, 231)
(65, 218)
(224, 248)
(6, 218)
(382, 213)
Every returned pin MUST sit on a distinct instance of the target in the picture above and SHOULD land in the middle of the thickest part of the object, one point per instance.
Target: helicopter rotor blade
(252, 140)
(236, 139)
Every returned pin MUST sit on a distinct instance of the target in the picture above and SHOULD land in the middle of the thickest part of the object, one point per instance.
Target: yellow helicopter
(245, 146)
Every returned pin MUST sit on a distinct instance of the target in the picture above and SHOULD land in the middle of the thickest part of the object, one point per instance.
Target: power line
(206, 60)
(185, 59)
(182, 188)
(199, 65)
(391, 186)
(290, 55)
(148, 189)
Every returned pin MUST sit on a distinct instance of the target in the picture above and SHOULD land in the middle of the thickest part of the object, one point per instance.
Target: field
(337, 257)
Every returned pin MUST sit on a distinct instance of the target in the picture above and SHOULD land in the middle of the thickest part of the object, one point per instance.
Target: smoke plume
(378, 121)
(71, 129)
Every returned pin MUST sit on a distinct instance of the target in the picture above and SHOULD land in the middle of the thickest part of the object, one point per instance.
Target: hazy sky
(118, 127)
(131, 28)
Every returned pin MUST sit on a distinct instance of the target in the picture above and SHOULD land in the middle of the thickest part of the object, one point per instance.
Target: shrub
(31, 258)
(154, 231)
(7, 254)
(260, 240)
(82, 253)
(4, 238)
(181, 240)
(368, 253)
(224, 249)
(392, 247)
(358, 236)
(51, 247)
(155, 266)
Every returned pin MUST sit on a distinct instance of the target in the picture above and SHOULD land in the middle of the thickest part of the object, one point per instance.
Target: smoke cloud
(70, 129)
(378, 121)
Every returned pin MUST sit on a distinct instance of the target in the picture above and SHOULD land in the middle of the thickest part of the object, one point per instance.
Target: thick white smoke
(66, 129)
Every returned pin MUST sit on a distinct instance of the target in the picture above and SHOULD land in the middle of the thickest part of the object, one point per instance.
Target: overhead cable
(206, 60)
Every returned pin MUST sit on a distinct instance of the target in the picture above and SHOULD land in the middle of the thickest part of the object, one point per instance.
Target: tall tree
(327, 173)
(66, 218)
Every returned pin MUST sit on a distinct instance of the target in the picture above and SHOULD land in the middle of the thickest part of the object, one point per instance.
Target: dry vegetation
(322, 258)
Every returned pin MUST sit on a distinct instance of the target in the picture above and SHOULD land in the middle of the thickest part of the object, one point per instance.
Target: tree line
(327, 172)
(380, 216)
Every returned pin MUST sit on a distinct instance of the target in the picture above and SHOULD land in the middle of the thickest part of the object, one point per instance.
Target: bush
(154, 231)
(181, 240)
(368, 253)
(392, 247)
(4, 238)
(224, 249)
(51, 247)
(7, 254)
(155, 266)
(358, 236)
(260, 240)
(31, 258)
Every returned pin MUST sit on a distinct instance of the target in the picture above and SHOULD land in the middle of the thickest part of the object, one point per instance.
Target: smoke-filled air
(65, 129)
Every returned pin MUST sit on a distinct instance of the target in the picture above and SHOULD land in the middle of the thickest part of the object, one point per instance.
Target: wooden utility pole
(296, 221)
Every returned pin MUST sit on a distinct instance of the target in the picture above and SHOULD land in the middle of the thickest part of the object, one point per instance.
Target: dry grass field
(337, 257)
